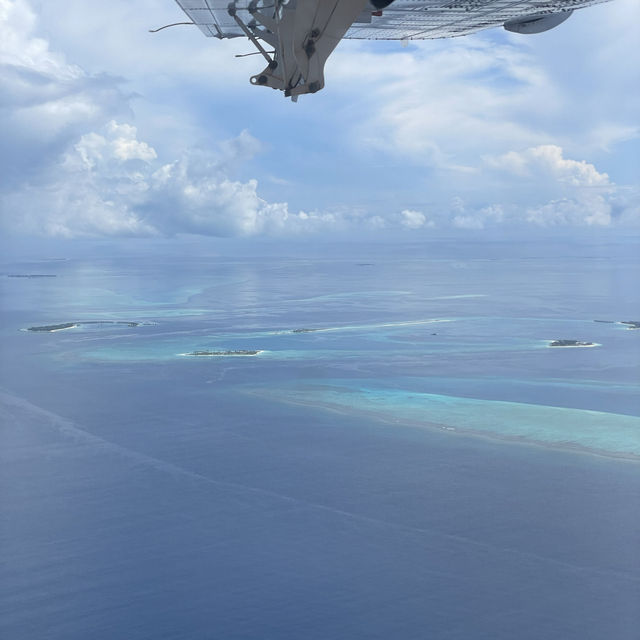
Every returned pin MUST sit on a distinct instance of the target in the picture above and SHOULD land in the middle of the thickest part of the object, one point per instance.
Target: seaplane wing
(296, 37)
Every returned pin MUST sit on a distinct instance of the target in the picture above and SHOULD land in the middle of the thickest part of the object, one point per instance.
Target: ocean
(330, 441)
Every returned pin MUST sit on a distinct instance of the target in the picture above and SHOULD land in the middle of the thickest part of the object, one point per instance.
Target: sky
(108, 131)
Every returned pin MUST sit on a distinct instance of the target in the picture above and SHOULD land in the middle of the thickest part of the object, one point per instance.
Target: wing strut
(303, 34)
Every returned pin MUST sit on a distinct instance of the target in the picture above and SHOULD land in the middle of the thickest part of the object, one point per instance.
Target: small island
(571, 343)
(237, 352)
(304, 330)
(54, 327)
(50, 328)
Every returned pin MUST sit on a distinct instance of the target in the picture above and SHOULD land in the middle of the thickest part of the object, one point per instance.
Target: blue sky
(110, 132)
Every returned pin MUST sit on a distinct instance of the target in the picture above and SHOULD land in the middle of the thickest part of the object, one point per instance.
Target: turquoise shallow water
(494, 375)
(460, 343)
(598, 431)
(334, 486)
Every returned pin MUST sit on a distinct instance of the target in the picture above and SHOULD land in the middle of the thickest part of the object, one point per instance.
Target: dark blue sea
(235, 441)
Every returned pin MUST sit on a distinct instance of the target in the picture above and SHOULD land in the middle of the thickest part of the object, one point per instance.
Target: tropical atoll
(571, 343)
(54, 327)
(71, 325)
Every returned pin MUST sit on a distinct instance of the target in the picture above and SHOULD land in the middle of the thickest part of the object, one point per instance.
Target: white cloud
(127, 48)
(433, 105)
(19, 48)
(110, 183)
(594, 210)
(89, 174)
(547, 162)
(465, 218)
(125, 145)
(414, 219)
(607, 135)
(558, 191)
(45, 102)
(492, 118)
(120, 144)
(107, 184)
(447, 104)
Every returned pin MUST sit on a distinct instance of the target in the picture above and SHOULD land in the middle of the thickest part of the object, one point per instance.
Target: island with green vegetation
(571, 343)
(71, 325)
(237, 352)
(53, 327)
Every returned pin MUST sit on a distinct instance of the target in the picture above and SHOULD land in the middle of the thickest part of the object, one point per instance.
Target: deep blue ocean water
(417, 463)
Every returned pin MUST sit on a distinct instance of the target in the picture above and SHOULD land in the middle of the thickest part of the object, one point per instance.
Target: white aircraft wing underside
(295, 37)
(404, 19)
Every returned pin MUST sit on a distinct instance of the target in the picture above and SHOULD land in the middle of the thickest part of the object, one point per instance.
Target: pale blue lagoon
(387, 448)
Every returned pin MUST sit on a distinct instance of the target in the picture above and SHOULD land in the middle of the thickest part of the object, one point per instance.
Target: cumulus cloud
(445, 103)
(71, 169)
(507, 121)
(547, 162)
(567, 191)
(483, 117)
(619, 207)
(45, 102)
(109, 183)
(590, 211)
(194, 194)
(92, 190)
(414, 219)
(464, 217)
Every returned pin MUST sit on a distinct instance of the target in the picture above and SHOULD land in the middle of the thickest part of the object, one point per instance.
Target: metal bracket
(233, 13)
(303, 33)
